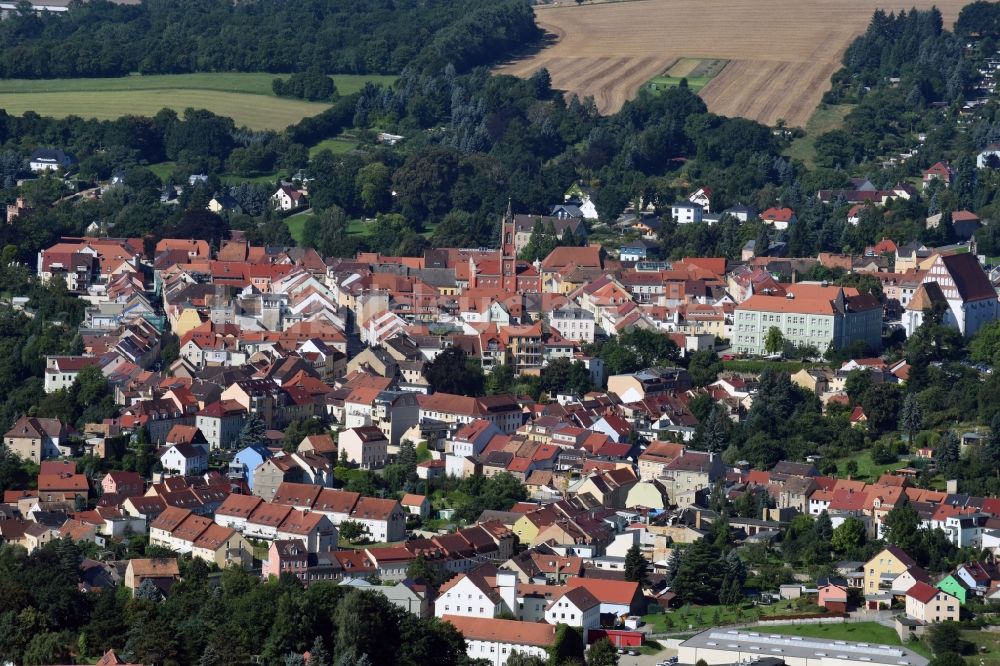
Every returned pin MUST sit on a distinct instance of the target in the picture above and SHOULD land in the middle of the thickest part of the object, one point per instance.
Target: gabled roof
(239, 506)
(511, 632)
(581, 598)
(296, 494)
(372, 508)
(901, 555)
(970, 280)
(155, 567)
(923, 592)
(607, 591)
(336, 501)
(410, 499)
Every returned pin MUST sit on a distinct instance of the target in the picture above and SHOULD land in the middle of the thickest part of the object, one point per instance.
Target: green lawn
(701, 617)
(361, 546)
(825, 118)
(987, 646)
(358, 227)
(337, 146)
(297, 224)
(697, 71)
(233, 179)
(867, 470)
(256, 83)
(163, 169)
(245, 97)
(695, 83)
(863, 632)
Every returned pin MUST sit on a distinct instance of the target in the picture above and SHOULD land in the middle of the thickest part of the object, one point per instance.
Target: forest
(207, 619)
(101, 38)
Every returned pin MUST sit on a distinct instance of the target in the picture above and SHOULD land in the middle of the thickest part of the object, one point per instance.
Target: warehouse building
(721, 646)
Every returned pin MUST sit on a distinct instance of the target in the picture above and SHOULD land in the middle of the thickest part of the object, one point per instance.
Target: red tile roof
(504, 631)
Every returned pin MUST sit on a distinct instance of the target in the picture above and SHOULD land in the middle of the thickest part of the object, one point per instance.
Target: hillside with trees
(100, 38)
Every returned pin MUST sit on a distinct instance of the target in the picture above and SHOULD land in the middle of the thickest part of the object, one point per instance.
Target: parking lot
(646, 659)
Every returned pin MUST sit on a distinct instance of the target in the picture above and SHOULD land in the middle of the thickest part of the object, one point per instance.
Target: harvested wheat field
(781, 53)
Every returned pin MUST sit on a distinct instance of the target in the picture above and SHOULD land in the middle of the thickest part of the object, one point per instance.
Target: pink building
(285, 556)
(833, 595)
(126, 484)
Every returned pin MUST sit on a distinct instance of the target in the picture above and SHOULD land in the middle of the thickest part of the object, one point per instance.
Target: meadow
(245, 97)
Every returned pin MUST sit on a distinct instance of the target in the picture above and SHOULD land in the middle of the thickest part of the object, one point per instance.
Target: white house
(288, 198)
(61, 371)
(685, 212)
(573, 323)
(185, 459)
(702, 197)
(496, 640)
(416, 505)
(960, 282)
(47, 159)
(577, 608)
(365, 446)
(470, 440)
(468, 595)
(384, 518)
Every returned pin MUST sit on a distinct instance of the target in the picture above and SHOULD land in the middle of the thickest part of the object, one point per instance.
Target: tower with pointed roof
(508, 253)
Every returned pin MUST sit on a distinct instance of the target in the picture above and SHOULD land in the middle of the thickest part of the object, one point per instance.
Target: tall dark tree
(700, 573)
(253, 431)
(636, 565)
(452, 371)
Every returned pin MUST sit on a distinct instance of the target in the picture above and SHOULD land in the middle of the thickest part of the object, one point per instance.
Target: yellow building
(884, 567)
(649, 494)
(188, 319)
(526, 527)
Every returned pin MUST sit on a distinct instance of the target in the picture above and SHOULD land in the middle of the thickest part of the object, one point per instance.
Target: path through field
(781, 52)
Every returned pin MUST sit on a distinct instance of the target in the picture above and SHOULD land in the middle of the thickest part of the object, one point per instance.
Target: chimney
(951, 486)
(697, 519)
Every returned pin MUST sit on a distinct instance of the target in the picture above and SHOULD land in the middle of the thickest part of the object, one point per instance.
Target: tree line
(102, 38)
(208, 619)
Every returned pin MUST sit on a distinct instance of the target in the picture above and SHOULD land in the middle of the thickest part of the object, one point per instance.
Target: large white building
(960, 282)
(573, 323)
(685, 212)
(469, 596)
(733, 646)
(496, 640)
(808, 314)
(503, 411)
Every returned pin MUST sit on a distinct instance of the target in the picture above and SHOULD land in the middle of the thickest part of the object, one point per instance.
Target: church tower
(508, 253)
